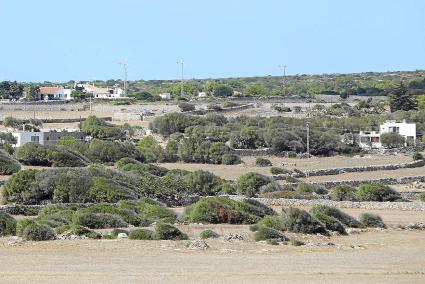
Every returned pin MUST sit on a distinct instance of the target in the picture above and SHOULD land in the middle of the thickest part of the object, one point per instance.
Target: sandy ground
(390, 256)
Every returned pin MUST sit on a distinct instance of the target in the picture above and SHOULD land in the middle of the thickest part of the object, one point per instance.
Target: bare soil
(388, 256)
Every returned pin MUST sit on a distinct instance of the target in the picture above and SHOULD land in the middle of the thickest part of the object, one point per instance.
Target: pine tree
(400, 99)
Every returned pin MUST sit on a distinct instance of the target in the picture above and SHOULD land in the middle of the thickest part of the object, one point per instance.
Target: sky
(58, 41)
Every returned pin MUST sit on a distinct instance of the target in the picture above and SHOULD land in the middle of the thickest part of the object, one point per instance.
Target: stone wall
(252, 152)
(355, 183)
(336, 171)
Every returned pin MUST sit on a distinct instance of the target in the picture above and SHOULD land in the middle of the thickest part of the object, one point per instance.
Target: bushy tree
(400, 99)
(392, 140)
(151, 150)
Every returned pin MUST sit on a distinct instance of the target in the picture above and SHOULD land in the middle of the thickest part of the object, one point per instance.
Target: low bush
(168, 232)
(149, 210)
(342, 217)
(342, 193)
(310, 188)
(287, 194)
(422, 196)
(99, 128)
(262, 162)
(38, 232)
(249, 184)
(98, 220)
(8, 165)
(141, 234)
(49, 155)
(265, 233)
(300, 221)
(224, 210)
(7, 224)
(376, 192)
(331, 223)
(186, 106)
(208, 234)
(372, 220)
(417, 156)
(279, 171)
(132, 165)
(78, 230)
(274, 222)
(21, 225)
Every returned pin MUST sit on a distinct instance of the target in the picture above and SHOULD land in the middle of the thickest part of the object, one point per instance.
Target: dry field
(390, 256)
(232, 172)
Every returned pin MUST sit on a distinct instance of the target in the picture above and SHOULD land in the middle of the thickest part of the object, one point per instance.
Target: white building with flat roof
(45, 136)
(372, 139)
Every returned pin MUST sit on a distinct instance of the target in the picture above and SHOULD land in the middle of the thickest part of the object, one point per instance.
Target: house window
(35, 139)
(394, 129)
(374, 139)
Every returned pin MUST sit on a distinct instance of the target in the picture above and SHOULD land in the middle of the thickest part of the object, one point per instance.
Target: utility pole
(283, 79)
(182, 79)
(124, 65)
(91, 95)
(308, 139)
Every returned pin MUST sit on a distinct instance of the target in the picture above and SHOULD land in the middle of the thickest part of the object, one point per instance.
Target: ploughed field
(374, 256)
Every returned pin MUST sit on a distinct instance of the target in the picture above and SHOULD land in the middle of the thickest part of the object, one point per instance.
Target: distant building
(165, 96)
(54, 93)
(103, 93)
(45, 136)
(372, 139)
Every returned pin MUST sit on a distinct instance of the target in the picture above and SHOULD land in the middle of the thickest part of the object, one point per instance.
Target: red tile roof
(49, 90)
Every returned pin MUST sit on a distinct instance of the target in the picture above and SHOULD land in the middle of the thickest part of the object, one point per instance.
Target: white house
(165, 96)
(54, 93)
(45, 136)
(372, 139)
(103, 93)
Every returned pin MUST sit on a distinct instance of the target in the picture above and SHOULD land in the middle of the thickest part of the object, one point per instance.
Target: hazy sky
(60, 40)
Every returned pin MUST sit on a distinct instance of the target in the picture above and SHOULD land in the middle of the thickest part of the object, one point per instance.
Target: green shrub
(78, 230)
(107, 152)
(342, 193)
(98, 220)
(230, 159)
(18, 186)
(331, 223)
(7, 224)
(99, 128)
(8, 165)
(262, 162)
(132, 165)
(376, 192)
(186, 106)
(169, 232)
(279, 171)
(310, 188)
(151, 150)
(53, 220)
(224, 210)
(208, 234)
(422, 196)
(342, 217)
(49, 155)
(300, 221)
(372, 220)
(249, 184)
(149, 210)
(274, 222)
(38, 232)
(141, 234)
(265, 233)
(21, 225)
(417, 156)
(203, 183)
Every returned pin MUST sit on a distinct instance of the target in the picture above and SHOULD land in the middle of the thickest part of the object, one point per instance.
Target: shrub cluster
(376, 192)
(262, 162)
(208, 234)
(249, 184)
(99, 128)
(300, 221)
(8, 165)
(372, 220)
(7, 224)
(224, 210)
(35, 154)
